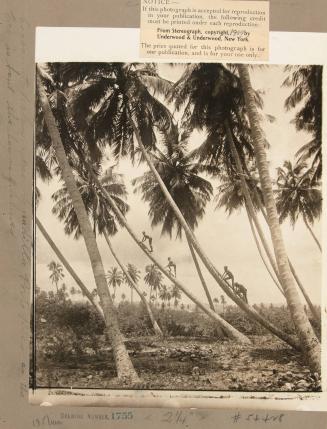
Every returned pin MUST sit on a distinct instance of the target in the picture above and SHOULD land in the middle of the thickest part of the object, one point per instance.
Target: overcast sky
(226, 240)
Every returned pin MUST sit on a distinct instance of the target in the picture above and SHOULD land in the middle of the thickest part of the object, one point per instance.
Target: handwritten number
(168, 417)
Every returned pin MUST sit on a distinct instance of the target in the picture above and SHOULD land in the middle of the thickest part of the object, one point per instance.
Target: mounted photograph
(178, 227)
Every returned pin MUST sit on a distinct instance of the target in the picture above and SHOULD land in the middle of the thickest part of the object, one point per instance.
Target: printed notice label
(205, 29)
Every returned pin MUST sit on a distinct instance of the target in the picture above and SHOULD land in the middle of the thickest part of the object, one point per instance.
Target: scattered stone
(302, 385)
(233, 386)
(225, 367)
(288, 386)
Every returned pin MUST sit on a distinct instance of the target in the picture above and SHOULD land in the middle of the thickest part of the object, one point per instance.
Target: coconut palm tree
(68, 267)
(124, 365)
(306, 84)
(218, 104)
(297, 196)
(227, 151)
(190, 192)
(153, 278)
(308, 340)
(164, 295)
(231, 197)
(44, 162)
(122, 85)
(115, 279)
(104, 221)
(135, 274)
(131, 281)
(102, 217)
(223, 302)
(169, 297)
(176, 295)
(56, 273)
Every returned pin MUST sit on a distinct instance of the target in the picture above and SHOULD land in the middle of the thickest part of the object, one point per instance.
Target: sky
(226, 240)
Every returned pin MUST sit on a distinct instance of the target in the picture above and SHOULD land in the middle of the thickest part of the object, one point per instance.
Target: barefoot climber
(171, 266)
(228, 275)
(149, 239)
(241, 291)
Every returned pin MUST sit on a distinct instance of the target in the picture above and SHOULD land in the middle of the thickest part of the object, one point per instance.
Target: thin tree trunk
(124, 366)
(248, 201)
(204, 285)
(206, 261)
(308, 340)
(133, 285)
(260, 252)
(68, 267)
(292, 341)
(312, 233)
(314, 312)
(198, 269)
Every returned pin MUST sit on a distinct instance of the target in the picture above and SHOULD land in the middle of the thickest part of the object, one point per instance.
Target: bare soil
(189, 364)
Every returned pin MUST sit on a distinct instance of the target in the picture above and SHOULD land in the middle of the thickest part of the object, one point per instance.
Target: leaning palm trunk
(248, 202)
(133, 285)
(260, 252)
(312, 233)
(68, 267)
(308, 340)
(313, 310)
(124, 366)
(206, 261)
(204, 285)
(198, 269)
(228, 329)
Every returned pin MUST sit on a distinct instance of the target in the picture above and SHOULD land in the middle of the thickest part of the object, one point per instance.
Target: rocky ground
(190, 364)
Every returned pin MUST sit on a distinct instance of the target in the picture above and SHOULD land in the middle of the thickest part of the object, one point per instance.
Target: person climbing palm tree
(104, 220)
(148, 239)
(228, 275)
(190, 191)
(222, 101)
(171, 266)
(128, 109)
(241, 291)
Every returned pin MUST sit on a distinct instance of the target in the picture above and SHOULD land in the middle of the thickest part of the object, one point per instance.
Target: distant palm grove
(196, 140)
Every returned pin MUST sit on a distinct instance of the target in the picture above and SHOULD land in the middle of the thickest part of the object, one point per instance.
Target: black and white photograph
(178, 227)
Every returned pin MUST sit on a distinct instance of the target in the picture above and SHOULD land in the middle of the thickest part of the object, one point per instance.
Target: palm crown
(296, 195)
(306, 82)
(109, 94)
(95, 202)
(179, 172)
